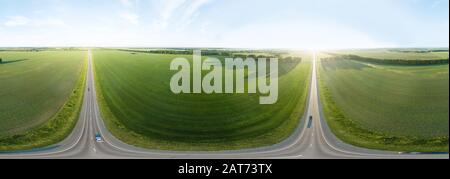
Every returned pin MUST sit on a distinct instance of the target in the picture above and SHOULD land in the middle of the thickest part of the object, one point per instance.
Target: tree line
(224, 53)
(388, 61)
(420, 51)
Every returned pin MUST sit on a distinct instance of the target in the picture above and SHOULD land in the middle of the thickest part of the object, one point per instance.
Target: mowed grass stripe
(136, 91)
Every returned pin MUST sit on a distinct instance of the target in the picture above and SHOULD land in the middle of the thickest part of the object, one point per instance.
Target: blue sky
(311, 24)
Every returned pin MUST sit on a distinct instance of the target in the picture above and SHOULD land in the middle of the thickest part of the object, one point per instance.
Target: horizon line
(245, 48)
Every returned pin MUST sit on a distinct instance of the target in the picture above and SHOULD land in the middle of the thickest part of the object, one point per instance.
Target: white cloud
(328, 24)
(130, 17)
(168, 9)
(129, 13)
(22, 21)
(308, 35)
(126, 2)
(50, 23)
(192, 12)
(14, 21)
(178, 12)
(195, 6)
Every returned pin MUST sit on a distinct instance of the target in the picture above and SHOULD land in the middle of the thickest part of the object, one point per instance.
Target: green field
(41, 94)
(396, 54)
(400, 108)
(139, 108)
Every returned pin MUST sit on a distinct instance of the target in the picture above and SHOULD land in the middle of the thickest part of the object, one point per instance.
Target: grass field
(41, 94)
(400, 108)
(139, 108)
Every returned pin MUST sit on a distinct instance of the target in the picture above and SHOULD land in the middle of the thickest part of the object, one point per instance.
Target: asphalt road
(312, 139)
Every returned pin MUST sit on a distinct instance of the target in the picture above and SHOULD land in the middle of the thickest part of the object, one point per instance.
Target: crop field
(139, 108)
(34, 88)
(398, 54)
(403, 108)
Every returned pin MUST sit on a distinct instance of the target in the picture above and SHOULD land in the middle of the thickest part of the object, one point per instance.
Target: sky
(295, 24)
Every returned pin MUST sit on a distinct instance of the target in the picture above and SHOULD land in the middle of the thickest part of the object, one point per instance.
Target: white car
(98, 138)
